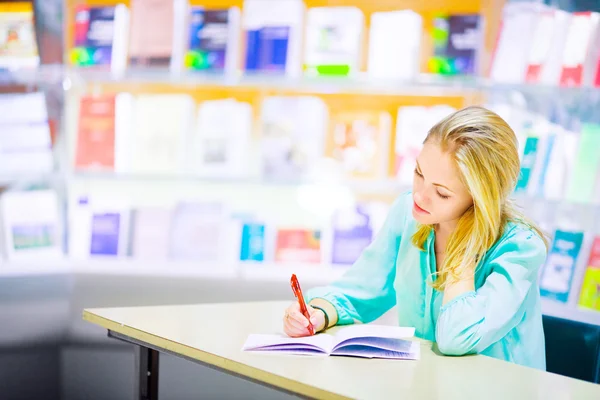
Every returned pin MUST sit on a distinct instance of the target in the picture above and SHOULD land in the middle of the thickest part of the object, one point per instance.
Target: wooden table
(213, 334)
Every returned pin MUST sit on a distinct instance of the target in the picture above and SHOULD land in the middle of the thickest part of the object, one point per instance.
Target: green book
(586, 167)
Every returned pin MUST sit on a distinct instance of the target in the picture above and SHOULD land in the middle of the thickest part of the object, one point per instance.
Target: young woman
(455, 257)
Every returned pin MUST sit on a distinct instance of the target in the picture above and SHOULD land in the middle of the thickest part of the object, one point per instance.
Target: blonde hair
(485, 150)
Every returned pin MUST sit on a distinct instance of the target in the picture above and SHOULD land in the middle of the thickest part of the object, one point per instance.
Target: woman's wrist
(328, 309)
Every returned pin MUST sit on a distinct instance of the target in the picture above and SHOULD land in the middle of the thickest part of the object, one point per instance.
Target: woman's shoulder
(401, 208)
(520, 240)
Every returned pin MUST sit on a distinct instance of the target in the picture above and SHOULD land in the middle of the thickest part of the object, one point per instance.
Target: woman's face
(438, 192)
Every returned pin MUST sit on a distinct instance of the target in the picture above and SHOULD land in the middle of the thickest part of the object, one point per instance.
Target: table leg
(146, 373)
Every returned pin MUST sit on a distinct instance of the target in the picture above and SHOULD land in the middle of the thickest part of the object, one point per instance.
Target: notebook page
(412, 352)
(371, 330)
(283, 342)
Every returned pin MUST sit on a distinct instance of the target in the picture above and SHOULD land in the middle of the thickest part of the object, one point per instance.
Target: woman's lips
(419, 209)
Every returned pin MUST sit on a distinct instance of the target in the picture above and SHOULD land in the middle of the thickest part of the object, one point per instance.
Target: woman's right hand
(296, 325)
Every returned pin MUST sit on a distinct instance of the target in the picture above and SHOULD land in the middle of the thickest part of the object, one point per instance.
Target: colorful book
(590, 289)
(96, 134)
(273, 33)
(213, 43)
(352, 233)
(334, 41)
(100, 37)
(359, 142)
(31, 225)
(298, 246)
(18, 45)
(557, 274)
(457, 44)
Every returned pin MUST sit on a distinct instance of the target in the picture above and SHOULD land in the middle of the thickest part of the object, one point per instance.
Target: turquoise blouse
(502, 318)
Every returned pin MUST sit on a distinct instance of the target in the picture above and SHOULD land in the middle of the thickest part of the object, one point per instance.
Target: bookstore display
(235, 174)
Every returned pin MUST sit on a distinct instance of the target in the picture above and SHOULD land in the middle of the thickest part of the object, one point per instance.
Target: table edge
(212, 360)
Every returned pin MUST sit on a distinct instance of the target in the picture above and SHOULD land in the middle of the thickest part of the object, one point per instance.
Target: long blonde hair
(485, 150)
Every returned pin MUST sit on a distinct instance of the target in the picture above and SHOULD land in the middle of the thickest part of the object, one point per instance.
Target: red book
(96, 134)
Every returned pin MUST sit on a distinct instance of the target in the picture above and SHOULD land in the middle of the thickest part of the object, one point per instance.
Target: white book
(552, 62)
(151, 228)
(580, 57)
(390, 58)
(334, 38)
(511, 57)
(18, 42)
(220, 144)
(31, 225)
(292, 136)
(199, 232)
(23, 108)
(163, 124)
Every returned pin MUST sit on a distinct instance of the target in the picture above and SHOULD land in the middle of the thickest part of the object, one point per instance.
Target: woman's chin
(421, 218)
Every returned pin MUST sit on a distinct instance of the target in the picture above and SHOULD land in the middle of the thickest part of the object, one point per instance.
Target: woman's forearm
(329, 308)
(456, 288)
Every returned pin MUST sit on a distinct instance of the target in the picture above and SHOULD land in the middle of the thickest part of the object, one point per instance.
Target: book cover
(253, 242)
(590, 289)
(31, 225)
(557, 273)
(528, 162)
(457, 41)
(298, 246)
(96, 133)
(99, 36)
(359, 142)
(151, 229)
(152, 33)
(585, 171)
(220, 142)
(159, 139)
(273, 33)
(581, 50)
(106, 229)
(395, 59)
(517, 31)
(333, 44)
(213, 39)
(18, 44)
(352, 233)
(197, 231)
(293, 136)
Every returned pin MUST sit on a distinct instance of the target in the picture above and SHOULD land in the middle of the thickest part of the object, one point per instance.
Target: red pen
(298, 293)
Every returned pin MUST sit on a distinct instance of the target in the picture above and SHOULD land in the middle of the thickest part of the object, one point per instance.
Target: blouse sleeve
(475, 320)
(366, 290)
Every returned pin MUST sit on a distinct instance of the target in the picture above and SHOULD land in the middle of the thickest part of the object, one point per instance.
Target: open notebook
(367, 341)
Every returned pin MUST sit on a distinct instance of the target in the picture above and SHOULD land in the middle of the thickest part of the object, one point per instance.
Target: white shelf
(316, 274)
(33, 268)
(47, 74)
(423, 85)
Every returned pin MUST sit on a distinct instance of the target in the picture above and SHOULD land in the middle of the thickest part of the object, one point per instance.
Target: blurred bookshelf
(98, 177)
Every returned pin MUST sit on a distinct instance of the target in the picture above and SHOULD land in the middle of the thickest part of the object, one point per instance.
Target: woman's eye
(442, 196)
(418, 173)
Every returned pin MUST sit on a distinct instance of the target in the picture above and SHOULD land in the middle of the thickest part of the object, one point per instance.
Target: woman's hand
(296, 325)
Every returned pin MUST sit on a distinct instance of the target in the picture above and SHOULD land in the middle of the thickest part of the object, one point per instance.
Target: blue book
(352, 233)
(267, 49)
(557, 273)
(106, 228)
(253, 242)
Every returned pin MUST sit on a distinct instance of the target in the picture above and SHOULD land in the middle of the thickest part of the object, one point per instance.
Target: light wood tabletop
(213, 334)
